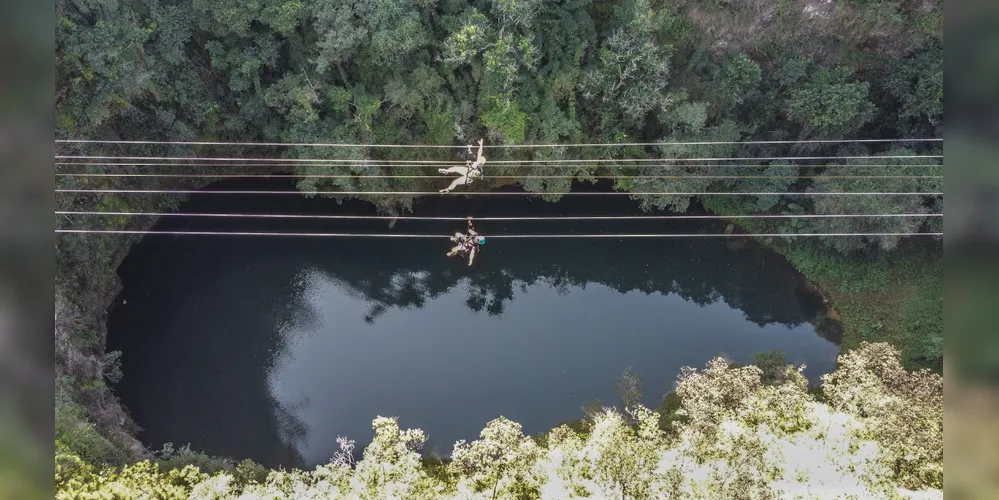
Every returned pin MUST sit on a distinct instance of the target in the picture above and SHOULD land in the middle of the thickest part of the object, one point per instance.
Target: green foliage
(113, 203)
(628, 77)
(469, 39)
(790, 70)
(395, 31)
(503, 47)
(508, 121)
(75, 434)
(917, 86)
(77, 479)
(401, 71)
(910, 176)
(669, 412)
(687, 118)
(772, 364)
(88, 340)
(676, 175)
(901, 294)
(171, 458)
(778, 177)
(111, 366)
(738, 80)
(295, 98)
(519, 13)
(247, 471)
(830, 104)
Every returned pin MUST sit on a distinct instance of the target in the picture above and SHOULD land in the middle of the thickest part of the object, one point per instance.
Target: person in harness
(467, 244)
(469, 172)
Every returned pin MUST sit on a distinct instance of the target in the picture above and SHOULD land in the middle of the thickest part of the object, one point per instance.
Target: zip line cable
(133, 161)
(345, 176)
(510, 146)
(438, 164)
(514, 218)
(494, 162)
(500, 236)
(495, 193)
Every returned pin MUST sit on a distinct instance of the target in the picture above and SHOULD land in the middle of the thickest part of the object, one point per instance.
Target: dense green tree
(910, 175)
(501, 48)
(772, 365)
(102, 69)
(830, 104)
(629, 75)
(737, 81)
(916, 84)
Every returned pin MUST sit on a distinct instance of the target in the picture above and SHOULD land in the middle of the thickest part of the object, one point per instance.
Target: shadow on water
(268, 348)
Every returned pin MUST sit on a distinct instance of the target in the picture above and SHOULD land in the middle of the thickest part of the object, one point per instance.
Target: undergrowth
(894, 297)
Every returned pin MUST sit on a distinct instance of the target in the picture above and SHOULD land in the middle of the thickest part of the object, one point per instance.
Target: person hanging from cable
(467, 244)
(469, 172)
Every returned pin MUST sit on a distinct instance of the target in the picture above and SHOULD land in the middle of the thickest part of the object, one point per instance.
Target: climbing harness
(472, 173)
(467, 244)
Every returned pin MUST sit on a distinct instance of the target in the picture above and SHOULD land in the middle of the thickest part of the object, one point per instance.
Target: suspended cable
(495, 193)
(512, 218)
(494, 162)
(507, 177)
(510, 146)
(502, 236)
(438, 164)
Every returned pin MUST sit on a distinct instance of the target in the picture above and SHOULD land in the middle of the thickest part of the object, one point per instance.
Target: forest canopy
(437, 71)
(531, 72)
(515, 72)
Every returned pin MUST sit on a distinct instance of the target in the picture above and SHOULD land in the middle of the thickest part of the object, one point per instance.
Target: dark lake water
(269, 348)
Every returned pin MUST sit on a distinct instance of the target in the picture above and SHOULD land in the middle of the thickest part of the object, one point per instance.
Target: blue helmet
(482, 240)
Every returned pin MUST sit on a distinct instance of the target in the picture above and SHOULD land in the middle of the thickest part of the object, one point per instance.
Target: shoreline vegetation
(524, 72)
(874, 430)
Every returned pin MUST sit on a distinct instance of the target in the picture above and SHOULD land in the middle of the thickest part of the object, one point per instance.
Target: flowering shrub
(879, 434)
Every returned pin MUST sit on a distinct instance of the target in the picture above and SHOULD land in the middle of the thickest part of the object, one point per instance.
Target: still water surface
(269, 348)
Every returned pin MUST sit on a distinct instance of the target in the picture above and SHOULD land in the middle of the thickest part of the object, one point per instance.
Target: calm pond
(269, 348)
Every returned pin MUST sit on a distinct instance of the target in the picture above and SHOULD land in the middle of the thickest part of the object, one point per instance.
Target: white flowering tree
(565, 458)
(501, 461)
(390, 467)
(879, 436)
(624, 459)
(715, 394)
(903, 411)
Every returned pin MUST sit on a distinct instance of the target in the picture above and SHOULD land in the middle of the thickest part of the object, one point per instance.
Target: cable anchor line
(498, 236)
(494, 219)
(495, 146)
(505, 177)
(493, 162)
(496, 193)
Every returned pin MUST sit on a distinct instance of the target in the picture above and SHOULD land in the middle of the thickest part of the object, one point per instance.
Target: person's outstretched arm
(480, 148)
